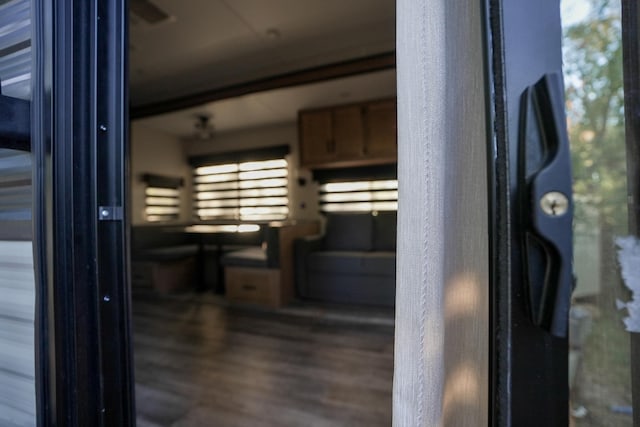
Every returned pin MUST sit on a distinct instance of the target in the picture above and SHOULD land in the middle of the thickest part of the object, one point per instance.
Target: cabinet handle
(249, 287)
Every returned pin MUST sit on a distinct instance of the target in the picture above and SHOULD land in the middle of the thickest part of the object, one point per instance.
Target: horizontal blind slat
(241, 191)
(161, 204)
(359, 196)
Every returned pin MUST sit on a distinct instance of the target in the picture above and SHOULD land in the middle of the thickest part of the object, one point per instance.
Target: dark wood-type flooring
(201, 363)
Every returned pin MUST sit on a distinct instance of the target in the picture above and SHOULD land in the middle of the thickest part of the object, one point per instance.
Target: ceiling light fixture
(204, 129)
(148, 12)
(273, 34)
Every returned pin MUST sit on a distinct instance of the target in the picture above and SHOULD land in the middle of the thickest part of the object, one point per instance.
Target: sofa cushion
(350, 289)
(354, 263)
(349, 232)
(379, 263)
(384, 231)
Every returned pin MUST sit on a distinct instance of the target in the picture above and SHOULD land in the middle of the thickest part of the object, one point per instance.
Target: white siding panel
(17, 282)
(17, 299)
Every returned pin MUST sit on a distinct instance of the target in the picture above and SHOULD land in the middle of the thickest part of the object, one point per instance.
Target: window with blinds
(252, 190)
(359, 196)
(162, 204)
(162, 197)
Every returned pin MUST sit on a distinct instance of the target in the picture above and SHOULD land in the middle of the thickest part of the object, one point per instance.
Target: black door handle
(546, 205)
(15, 123)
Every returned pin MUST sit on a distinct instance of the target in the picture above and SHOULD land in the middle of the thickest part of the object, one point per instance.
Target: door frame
(80, 148)
(529, 366)
(527, 377)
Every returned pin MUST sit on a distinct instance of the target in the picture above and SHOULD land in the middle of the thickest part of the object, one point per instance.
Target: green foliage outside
(595, 116)
(595, 101)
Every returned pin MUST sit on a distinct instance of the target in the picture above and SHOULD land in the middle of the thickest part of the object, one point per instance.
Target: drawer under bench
(254, 285)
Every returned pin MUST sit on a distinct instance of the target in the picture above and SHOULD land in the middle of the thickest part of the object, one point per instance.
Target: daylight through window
(255, 191)
(359, 196)
(162, 204)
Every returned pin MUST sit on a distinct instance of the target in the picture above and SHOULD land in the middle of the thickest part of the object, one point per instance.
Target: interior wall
(157, 153)
(303, 200)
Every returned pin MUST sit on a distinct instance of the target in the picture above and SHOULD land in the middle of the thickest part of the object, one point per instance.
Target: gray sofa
(353, 262)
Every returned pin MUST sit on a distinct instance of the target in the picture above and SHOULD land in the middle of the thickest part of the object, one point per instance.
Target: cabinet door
(316, 137)
(348, 132)
(380, 125)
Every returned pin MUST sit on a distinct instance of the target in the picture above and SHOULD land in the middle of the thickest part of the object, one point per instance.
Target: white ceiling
(276, 106)
(209, 44)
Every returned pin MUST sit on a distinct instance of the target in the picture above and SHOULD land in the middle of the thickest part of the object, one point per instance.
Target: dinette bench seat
(172, 268)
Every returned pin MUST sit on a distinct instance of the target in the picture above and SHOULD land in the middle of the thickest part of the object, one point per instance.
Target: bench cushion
(250, 257)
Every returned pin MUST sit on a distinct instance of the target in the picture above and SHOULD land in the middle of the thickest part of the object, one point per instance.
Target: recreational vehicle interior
(216, 183)
(262, 200)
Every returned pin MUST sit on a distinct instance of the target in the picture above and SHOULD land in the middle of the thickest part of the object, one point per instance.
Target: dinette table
(219, 235)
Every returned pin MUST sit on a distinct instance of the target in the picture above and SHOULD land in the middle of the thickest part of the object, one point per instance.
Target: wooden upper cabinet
(351, 135)
(348, 132)
(380, 129)
(316, 134)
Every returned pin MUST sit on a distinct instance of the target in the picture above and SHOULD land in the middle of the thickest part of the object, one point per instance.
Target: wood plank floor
(200, 363)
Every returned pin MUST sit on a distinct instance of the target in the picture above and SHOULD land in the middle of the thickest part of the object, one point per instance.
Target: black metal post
(81, 152)
(529, 366)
